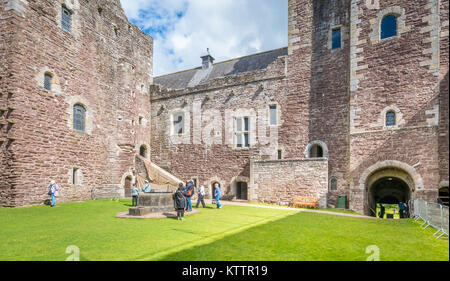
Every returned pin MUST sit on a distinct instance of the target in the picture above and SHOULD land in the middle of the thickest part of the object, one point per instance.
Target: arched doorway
(388, 186)
(127, 186)
(241, 191)
(143, 151)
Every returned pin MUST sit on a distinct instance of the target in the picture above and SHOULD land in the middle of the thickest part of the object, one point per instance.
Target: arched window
(389, 26)
(391, 119)
(66, 18)
(79, 118)
(316, 151)
(333, 184)
(48, 81)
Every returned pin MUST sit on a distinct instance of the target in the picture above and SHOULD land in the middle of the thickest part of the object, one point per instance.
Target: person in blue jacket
(217, 194)
(189, 192)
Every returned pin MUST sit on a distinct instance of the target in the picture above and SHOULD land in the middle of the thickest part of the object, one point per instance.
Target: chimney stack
(207, 60)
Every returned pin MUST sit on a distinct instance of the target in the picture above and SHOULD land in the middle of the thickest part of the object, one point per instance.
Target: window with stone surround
(48, 81)
(389, 26)
(178, 123)
(333, 184)
(76, 176)
(389, 23)
(242, 132)
(391, 119)
(66, 18)
(336, 38)
(273, 115)
(79, 118)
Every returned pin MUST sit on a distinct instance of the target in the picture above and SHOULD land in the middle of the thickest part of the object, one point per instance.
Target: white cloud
(183, 29)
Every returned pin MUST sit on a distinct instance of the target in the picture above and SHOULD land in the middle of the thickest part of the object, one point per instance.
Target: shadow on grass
(305, 237)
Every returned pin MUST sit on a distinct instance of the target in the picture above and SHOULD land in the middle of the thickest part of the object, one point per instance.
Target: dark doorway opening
(241, 191)
(316, 151)
(143, 151)
(444, 196)
(389, 190)
(127, 186)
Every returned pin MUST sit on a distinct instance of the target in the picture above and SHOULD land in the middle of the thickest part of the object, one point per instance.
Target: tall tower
(74, 99)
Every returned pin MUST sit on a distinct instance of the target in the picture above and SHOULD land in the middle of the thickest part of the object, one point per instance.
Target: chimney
(207, 60)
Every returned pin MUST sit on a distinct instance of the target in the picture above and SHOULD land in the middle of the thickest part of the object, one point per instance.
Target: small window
(390, 119)
(280, 154)
(141, 120)
(242, 132)
(79, 118)
(333, 184)
(273, 115)
(66, 19)
(178, 123)
(336, 39)
(389, 27)
(48, 81)
(75, 176)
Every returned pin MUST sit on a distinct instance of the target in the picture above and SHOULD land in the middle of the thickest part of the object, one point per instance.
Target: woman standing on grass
(179, 202)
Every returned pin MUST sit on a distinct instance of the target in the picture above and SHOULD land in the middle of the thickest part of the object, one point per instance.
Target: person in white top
(201, 197)
(53, 192)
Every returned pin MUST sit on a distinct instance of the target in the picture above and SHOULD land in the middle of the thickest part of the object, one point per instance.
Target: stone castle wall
(203, 152)
(399, 74)
(280, 181)
(104, 64)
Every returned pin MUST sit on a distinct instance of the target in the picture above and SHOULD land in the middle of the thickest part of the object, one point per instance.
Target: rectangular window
(336, 34)
(273, 115)
(280, 154)
(48, 82)
(242, 132)
(75, 176)
(178, 124)
(66, 19)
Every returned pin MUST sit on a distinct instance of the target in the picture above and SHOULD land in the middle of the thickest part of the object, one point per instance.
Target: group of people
(183, 195)
(402, 207)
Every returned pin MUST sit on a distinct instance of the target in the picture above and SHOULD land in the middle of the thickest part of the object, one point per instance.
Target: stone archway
(388, 181)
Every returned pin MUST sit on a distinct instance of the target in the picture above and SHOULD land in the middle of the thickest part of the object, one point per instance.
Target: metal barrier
(432, 214)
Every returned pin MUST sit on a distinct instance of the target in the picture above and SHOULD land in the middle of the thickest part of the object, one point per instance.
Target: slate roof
(197, 76)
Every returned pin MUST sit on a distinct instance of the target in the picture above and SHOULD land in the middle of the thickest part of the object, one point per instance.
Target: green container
(342, 202)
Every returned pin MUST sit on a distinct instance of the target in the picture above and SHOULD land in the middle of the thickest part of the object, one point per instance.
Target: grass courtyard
(233, 233)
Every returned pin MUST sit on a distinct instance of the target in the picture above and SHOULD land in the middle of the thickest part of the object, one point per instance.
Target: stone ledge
(162, 215)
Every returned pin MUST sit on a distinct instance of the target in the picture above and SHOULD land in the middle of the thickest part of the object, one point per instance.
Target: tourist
(135, 195)
(179, 202)
(53, 192)
(402, 210)
(217, 195)
(189, 192)
(382, 211)
(406, 210)
(201, 197)
(147, 188)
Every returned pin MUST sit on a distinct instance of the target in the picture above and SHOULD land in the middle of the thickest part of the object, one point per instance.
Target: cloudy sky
(183, 29)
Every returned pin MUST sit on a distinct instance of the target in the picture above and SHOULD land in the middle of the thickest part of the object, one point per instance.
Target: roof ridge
(221, 62)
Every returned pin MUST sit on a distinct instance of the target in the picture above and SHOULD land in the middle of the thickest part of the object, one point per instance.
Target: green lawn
(232, 233)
